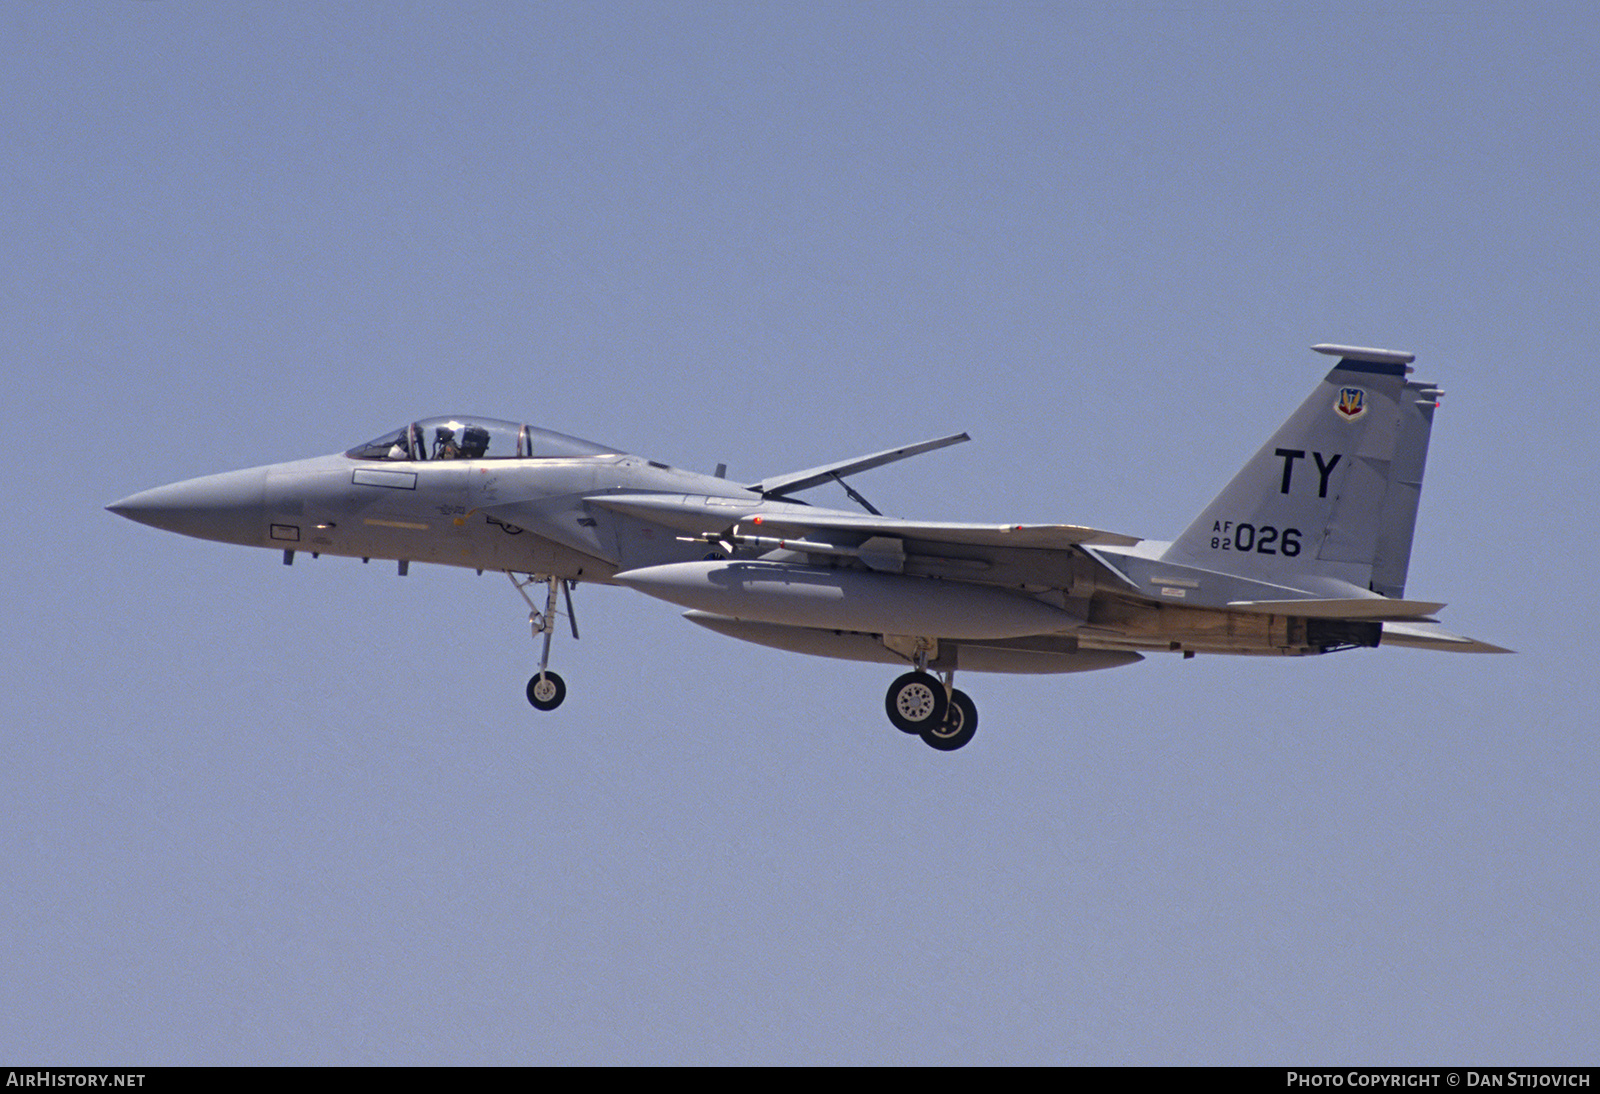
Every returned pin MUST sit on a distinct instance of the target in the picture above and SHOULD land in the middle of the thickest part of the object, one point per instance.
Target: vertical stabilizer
(1333, 494)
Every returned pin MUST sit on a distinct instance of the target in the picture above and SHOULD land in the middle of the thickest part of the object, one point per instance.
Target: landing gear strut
(545, 688)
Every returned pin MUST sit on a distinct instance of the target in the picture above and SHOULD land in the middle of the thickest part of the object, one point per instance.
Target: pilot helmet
(474, 440)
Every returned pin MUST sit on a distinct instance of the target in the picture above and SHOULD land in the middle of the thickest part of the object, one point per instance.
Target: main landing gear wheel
(915, 702)
(546, 690)
(956, 728)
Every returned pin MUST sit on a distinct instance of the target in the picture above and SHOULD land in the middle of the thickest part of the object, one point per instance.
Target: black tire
(915, 701)
(959, 725)
(546, 690)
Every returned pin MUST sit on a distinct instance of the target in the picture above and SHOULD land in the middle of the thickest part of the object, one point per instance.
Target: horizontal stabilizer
(1428, 636)
(779, 485)
(1363, 608)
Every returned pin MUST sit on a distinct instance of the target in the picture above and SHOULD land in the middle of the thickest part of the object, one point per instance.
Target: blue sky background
(258, 814)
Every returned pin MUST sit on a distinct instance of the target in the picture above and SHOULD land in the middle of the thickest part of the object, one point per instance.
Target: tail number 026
(1226, 535)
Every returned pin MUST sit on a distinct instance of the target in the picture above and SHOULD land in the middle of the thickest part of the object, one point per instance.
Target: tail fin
(1334, 493)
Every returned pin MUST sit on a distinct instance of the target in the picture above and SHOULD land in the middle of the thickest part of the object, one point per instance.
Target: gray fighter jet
(1304, 552)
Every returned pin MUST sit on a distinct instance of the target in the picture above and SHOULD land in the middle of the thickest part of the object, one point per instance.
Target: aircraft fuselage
(441, 512)
(1304, 552)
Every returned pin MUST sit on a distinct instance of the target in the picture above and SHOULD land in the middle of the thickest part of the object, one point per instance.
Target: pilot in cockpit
(474, 442)
(444, 444)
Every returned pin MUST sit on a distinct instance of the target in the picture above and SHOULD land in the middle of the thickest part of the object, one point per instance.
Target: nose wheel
(546, 690)
(943, 716)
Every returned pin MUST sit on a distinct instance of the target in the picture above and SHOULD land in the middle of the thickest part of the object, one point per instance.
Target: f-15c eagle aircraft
(1304, 552)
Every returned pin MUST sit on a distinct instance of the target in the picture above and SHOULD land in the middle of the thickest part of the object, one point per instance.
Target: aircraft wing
(715, 514)
(1037, 536)
(775, 486)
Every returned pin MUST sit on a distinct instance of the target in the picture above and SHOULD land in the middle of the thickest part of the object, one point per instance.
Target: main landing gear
(545, 688)
(920, 703)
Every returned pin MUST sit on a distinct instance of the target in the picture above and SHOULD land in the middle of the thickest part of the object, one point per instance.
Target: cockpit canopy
(474, 439)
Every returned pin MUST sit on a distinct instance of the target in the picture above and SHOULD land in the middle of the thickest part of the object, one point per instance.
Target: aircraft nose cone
(230, 507)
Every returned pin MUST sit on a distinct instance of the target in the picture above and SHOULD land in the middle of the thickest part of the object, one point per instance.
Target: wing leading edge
(778, 518)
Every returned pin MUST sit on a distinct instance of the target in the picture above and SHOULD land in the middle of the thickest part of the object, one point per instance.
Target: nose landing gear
(546, 689)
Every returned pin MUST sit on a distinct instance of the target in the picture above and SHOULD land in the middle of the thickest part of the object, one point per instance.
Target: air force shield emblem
(1352, 403)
